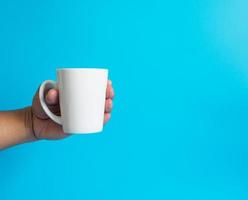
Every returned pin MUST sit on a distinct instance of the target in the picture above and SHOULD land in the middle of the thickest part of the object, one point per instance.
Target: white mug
(82, 93)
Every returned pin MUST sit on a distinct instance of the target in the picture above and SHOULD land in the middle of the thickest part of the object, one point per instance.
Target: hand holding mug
(45, 127)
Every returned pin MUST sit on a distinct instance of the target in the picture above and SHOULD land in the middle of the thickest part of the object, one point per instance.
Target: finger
(109, 82)
(52, 100)
(52, 97)
(107, 117)
(110, 90)
(108, 105)
(37, 108)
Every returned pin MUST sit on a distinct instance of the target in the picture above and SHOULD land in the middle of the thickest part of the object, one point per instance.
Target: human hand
(44, 128)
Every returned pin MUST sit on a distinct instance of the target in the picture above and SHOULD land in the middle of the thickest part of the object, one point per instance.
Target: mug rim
(80, 68)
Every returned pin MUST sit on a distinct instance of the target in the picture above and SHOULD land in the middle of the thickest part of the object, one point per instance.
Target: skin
(32, 124)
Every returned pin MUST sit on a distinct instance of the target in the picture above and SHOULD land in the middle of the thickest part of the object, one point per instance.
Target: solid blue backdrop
(179, 127)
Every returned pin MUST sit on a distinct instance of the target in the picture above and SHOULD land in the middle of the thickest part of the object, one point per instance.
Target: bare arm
(15, 127)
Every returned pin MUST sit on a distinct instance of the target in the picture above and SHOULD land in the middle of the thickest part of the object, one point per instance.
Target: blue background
(180, 70)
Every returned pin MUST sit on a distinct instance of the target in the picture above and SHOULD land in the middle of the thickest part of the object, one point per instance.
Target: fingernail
(112, 92)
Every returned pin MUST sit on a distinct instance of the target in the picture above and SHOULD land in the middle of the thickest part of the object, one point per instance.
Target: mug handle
(44, 87)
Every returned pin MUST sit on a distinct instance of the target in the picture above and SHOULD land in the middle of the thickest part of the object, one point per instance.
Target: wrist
(28, 122)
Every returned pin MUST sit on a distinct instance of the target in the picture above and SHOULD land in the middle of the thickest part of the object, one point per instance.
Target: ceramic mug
(82, 94)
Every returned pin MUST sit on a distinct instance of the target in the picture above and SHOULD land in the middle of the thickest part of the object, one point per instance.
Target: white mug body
(82, 95)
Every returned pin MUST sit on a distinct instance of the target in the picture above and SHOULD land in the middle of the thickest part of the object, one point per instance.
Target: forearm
(15, 127)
